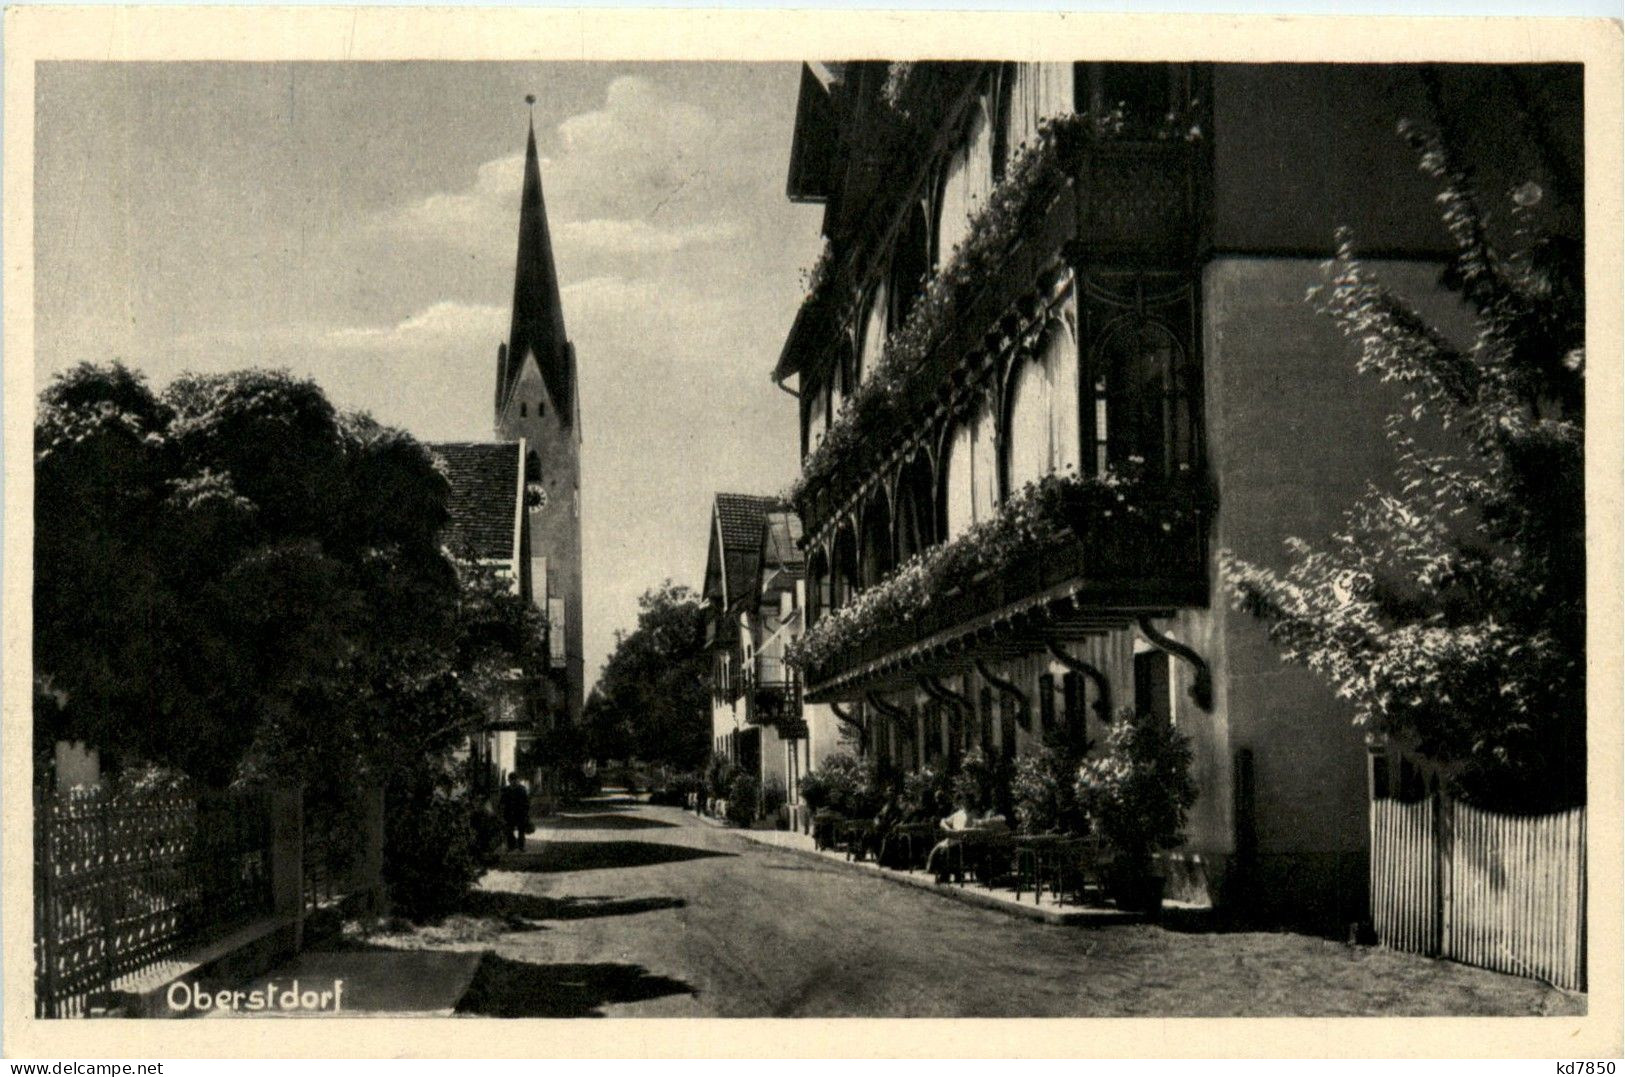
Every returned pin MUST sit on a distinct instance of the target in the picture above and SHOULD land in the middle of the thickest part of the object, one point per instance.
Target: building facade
(755, 597)
(489, 525)
(1058, 352)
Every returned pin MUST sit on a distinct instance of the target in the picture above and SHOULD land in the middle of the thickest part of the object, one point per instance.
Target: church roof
(486, 498)
(538, 313)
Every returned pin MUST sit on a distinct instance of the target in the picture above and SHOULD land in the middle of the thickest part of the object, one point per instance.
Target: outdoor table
(975, 848)
(1034, 854)
(1053, 857)
(915, 839)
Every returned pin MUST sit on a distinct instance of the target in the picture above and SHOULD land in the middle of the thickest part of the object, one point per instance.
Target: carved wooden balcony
(1104, 578)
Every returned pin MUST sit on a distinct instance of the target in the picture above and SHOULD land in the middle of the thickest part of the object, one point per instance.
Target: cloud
(446, 322)
(642, 175)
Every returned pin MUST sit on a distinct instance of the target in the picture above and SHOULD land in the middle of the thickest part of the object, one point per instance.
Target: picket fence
(1498, 891)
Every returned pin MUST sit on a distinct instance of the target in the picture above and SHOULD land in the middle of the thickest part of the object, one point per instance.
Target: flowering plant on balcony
(1038, 174)
(1043, 517)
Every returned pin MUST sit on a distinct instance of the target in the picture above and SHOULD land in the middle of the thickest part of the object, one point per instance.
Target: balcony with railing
(774, 694)
(1078, 198)
(1065, 559)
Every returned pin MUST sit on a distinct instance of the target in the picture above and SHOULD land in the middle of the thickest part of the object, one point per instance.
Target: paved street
(623, 909)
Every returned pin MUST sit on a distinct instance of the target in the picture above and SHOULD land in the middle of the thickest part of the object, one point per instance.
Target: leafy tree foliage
(1450, 609)
(236, 581)
(652, 700)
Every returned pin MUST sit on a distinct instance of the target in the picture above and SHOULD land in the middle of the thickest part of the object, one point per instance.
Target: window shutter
(1072, 704)
(1046, 702)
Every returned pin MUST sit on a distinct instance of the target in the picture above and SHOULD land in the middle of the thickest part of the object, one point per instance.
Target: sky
(357, 224)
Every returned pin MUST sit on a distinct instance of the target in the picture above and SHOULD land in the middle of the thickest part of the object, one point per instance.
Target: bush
(743, 795)
(719, 776)
(431, 857)
(489, 835)
(924, 796)
(773, 796)
(843, 784)
(1045, 794)
(982, 784)
(1140, 788)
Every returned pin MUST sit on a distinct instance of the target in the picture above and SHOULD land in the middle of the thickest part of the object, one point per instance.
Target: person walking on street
(514, 802)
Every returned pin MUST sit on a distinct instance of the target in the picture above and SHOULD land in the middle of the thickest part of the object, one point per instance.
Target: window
(872, 338)
(971, 472)
(818, 590)
(985, 733)
(1046, 702)
(1035, 93)
(1007, 729)
(817, 416)
(911, 264)
(1072, 691)
(916, 513)
(876, 550)
(522, 409)
(1042, 434)
(1133, 100)
(1142, 405)
(966, 182)
(1151, 692)
(844, 568)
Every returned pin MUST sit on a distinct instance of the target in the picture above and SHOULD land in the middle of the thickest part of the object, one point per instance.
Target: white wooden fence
(1502, 892)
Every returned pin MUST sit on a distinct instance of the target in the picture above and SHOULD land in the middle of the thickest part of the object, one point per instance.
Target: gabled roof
(781, 544)
(736, 542)
(487, 498)
(813, 149)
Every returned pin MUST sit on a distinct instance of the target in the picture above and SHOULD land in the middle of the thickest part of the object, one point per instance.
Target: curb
(963, 894)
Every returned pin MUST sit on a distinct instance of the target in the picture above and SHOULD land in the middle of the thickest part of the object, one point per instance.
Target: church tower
(536, 400)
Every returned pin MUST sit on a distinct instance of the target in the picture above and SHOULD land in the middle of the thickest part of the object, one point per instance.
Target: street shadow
(505, 988)
(607, 822)
(589, 855)
(510, 906)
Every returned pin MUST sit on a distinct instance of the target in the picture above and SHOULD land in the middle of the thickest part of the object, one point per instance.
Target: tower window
(521, 409)
(539, 411)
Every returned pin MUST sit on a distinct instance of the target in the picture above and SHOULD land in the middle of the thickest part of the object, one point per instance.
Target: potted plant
(923, 797)
(1044, 790)
(982, 783)
(1139, 791)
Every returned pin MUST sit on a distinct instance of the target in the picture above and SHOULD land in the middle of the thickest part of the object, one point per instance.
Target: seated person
(963, 823)
(936, 861)
(874, 840)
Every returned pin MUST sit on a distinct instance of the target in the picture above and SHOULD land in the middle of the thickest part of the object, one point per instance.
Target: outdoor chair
(1061, 863)
(972, 853)
(852, 836)
(907, 844)
(824, 827)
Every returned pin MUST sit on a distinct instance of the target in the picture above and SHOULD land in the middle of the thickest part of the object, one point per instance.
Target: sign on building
(555, 632)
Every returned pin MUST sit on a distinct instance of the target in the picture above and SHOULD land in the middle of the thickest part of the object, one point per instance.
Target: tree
(1450, 610)
(237, 582)
(651, 699)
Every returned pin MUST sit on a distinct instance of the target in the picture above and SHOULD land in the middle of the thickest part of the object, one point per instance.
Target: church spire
(538, 314)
